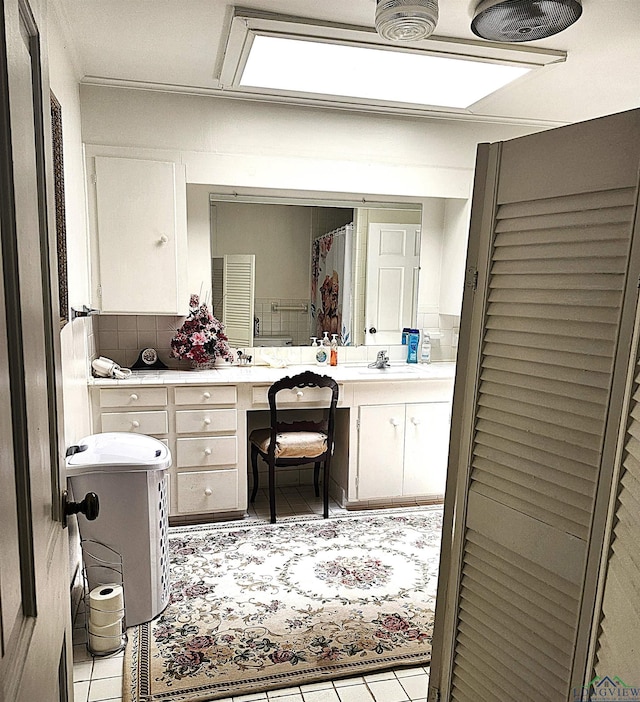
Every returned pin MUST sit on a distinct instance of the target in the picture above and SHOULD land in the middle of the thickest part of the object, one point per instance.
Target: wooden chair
(296, 443)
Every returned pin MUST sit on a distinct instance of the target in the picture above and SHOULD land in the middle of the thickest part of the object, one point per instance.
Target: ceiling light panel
(306, 61)
(299, 66)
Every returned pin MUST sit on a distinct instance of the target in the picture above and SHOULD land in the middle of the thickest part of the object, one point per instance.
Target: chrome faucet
(382, 360)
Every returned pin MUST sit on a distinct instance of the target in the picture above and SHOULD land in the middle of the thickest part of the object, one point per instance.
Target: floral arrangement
(201, 338)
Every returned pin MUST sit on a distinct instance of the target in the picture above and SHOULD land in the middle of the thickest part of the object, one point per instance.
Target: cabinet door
(141, 234)
(380, 451)
(426, 448)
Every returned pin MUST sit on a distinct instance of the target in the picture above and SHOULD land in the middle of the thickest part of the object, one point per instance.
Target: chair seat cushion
(291, 444)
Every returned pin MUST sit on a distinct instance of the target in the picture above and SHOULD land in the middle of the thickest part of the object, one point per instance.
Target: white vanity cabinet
(402, 450)
(391, 435)
(139, 235)
(200, 424)
(137, 410)
(206, 450)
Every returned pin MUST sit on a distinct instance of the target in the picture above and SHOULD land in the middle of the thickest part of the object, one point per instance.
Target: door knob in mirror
(90, 507)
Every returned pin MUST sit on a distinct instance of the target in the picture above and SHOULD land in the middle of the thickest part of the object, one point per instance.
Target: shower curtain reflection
(331, 297)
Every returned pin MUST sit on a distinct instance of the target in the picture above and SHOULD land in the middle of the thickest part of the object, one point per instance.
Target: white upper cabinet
(139, 237)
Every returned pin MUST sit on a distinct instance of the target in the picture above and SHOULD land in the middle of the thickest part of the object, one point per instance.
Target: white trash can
(129, 473)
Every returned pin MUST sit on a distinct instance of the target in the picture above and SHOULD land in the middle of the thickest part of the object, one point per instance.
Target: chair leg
(272, 491)
(316, 478)
(254, 465)
(325, 486)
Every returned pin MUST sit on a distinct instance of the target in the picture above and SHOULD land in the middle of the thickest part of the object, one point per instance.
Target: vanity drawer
(206, 420)
(206, 395)
(133, 397)
(297, 396)
(137, 422)
(207, 451)
(208, 491)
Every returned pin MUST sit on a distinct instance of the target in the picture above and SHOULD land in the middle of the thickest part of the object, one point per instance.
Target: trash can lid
(117, 451)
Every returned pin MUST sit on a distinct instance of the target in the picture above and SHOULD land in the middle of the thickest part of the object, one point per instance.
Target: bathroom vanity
(391, 441)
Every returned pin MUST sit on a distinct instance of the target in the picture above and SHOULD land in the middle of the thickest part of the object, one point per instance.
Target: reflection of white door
(393, 261)
(35, 619)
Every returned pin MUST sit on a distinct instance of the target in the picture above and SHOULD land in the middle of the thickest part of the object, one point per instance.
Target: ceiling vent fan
(523, 20)
(406, 20)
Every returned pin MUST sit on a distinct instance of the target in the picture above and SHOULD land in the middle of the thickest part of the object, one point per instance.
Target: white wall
(454, 242)
(199, 241)
(243, 144)
(76, 337)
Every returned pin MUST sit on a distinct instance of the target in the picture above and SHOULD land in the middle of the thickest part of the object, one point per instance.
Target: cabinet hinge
(358, 424)
(357, 481)
(94, 178)
(100, 290)
(471, 278)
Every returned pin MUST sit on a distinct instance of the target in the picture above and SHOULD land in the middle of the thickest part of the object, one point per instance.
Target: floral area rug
(264, 606)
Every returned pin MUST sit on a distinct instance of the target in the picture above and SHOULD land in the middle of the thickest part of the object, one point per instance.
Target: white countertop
(232, 375)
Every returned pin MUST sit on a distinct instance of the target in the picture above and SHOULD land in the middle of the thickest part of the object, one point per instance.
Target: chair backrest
(308, 379)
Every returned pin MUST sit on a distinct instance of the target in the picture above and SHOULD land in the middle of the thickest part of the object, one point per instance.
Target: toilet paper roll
(106, 605)
(111, 630)
(105, 639)
(104, 644)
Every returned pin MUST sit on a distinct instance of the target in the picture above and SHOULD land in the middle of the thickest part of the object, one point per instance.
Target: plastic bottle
(425, 349)
(333, 355)
(322, 353)
(413, 340)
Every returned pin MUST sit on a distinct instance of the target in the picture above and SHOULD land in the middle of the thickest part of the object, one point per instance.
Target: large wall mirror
(359, 268)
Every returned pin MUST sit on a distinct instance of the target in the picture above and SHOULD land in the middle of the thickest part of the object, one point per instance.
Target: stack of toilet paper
(106, 612)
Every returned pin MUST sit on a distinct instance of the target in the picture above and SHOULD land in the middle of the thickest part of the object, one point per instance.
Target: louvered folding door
(618, 642)
(545, 336)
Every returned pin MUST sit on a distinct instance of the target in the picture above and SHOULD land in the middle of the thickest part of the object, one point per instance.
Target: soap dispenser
(333, 355)
(321, 353)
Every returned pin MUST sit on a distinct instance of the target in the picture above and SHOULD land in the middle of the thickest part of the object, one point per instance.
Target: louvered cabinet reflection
(402, 450)
(206, 449)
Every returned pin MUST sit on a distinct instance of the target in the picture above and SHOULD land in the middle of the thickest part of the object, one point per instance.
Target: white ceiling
(175, 44)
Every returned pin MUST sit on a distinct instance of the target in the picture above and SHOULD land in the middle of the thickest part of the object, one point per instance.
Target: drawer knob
(206, 395)
(415, 421)
(135, 424)
(394, 422)
(300, 393)
(207, 452)
(207, 420)
(163, 239)
(208, 492)
(133, 396)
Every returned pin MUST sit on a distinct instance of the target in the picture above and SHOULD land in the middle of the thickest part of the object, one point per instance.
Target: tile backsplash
(122, 337)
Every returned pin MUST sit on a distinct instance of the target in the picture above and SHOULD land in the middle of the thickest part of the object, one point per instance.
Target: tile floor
(100, 679)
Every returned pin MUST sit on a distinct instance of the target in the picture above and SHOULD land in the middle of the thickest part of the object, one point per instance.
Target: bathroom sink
(392, 371)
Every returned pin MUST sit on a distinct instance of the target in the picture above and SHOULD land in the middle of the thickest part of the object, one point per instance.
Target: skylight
(322, 68)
